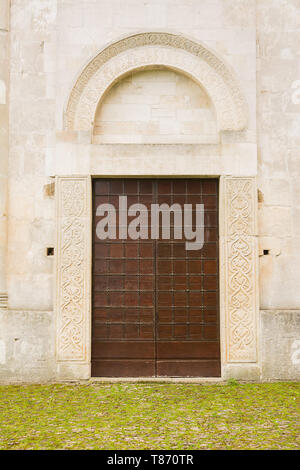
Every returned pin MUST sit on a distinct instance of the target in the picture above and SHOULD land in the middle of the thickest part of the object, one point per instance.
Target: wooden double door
(155, 303)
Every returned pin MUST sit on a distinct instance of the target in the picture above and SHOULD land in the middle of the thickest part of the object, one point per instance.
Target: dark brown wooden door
(155, 303)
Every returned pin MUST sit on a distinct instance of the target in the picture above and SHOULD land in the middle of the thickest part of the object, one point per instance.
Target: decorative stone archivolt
(144, 50)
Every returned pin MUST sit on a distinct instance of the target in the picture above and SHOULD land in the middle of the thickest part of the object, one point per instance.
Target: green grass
(150, 416)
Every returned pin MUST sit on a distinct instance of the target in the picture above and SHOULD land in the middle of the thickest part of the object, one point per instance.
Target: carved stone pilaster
(240, 260)
(73, 213)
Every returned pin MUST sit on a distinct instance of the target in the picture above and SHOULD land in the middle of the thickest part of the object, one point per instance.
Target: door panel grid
(155, 304)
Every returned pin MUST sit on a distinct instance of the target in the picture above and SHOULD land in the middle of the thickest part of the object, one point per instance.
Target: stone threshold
(156, 379)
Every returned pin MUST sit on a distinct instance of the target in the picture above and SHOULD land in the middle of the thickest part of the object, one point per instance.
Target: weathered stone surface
(4, 142)
(278, 134)
(280, 344)
(155, 105)
(226, 104)
(26, 346)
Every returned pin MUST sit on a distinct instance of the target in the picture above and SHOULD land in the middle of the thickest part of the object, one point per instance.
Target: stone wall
(50, 42)
(278, 108)
(156, 106)
(26, 346)
(27, 326)
(278, 101)
(32, 120)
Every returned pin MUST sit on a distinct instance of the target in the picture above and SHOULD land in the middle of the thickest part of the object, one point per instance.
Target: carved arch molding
(156, 49)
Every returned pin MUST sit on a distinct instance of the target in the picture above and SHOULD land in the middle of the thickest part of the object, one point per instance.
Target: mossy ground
(150, 416)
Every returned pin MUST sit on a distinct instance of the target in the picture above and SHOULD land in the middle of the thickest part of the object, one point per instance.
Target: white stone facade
(156, 88)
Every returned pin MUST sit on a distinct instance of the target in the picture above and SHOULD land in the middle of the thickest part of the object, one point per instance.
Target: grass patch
(150, 416)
